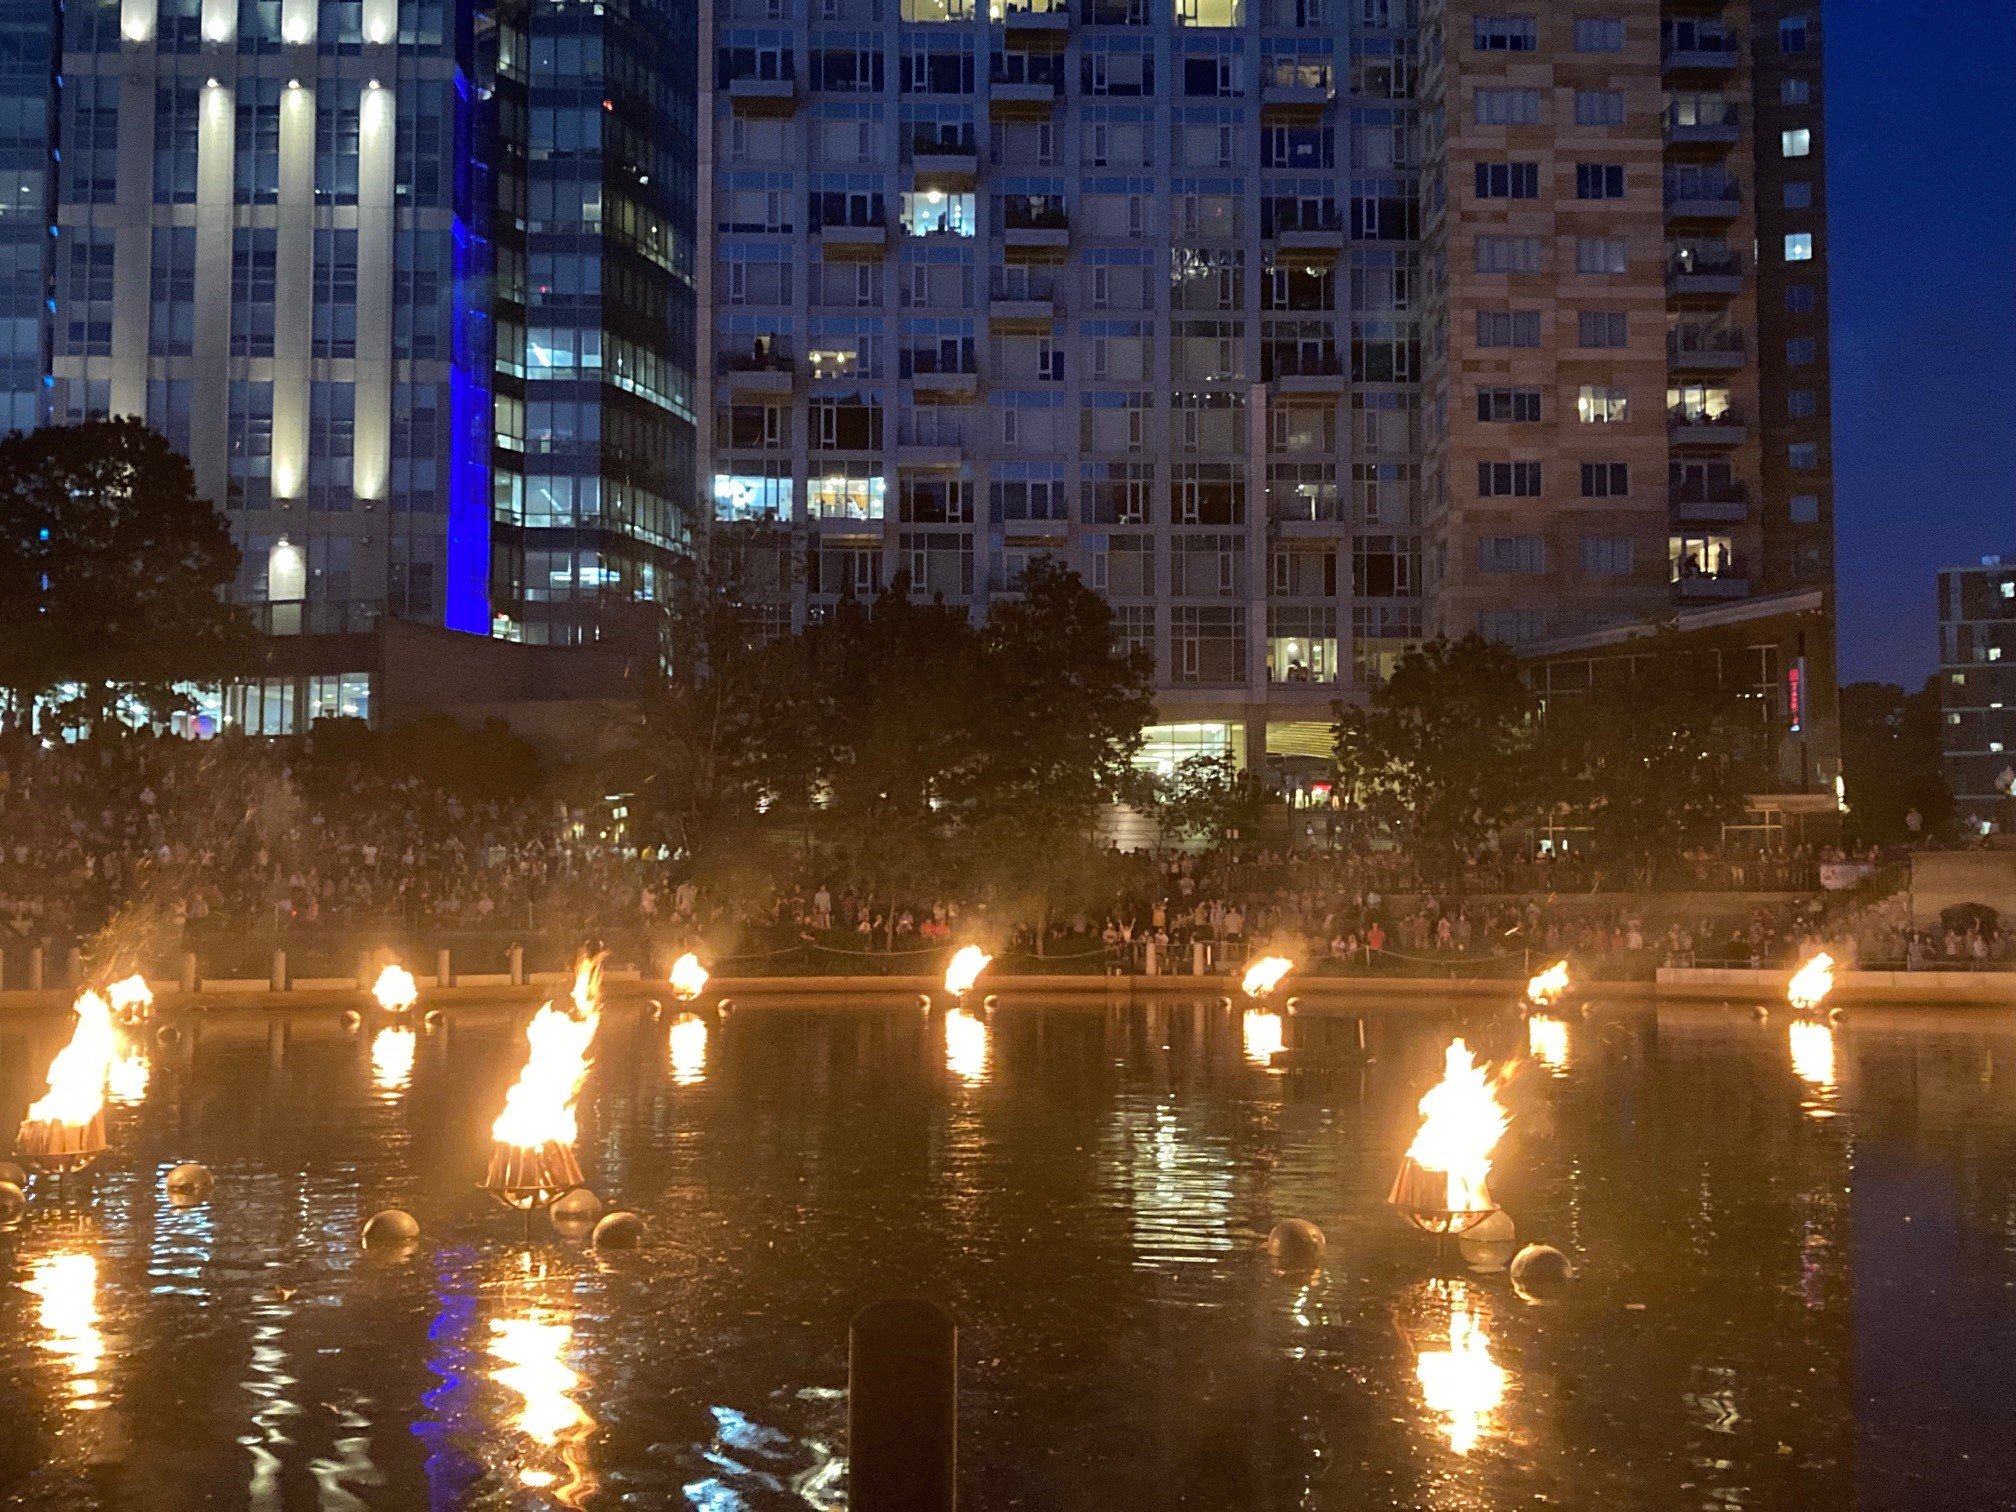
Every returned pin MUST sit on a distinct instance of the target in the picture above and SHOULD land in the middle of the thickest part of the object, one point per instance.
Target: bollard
(517, 965)
(278, 980)
(73, 968)
(1148, 959)
(1197, 958)
(366, 977)
(902, 1408)
(444, 975)
(189, 977)
(35, 969)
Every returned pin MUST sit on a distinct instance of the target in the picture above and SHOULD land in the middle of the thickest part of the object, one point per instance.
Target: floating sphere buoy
(924, 1001)
(1488, 1246)
(13, 1175)
(657, 1008)
(1292, 1004)
(434, 1018)
(389, 1227)
(13, 1204)
(352, 1019)
(619, 1230)
(1835, 1015)
(1296, 1244)
(1224, 1002)
(725, 1007)
(992, 1000)
(1760, 1013)
(577, 1208)
(167, 1034)
(187, 1184)
(1540, 1273)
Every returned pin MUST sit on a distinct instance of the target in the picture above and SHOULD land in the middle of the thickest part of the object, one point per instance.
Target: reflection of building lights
(966, 1047)
(67, 1286)
(1547, 1041)
(1462, 1382)
(1263, 1035)
(688, 1045)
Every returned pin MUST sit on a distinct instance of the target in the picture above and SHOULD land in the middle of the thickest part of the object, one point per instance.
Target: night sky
(1923, 218)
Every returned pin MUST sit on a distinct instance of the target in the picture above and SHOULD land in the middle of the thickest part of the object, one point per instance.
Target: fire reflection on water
(392, 1055)
(1812, 1047)
(688, 1046)
(66, 1287)
(966, 1048)
(1262, 1034)
(1461, 1382)
(1547, 1041)
(531, 1354)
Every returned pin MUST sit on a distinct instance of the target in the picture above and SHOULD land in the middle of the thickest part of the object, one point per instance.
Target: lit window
(1795, 143)
(2008, 589)
(1601, 406)
(1994, 653)
(1799, 246)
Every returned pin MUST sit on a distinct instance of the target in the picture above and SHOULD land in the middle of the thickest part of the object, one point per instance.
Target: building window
(1803, 456)
(1506, 107)
(1801, 299)
(1508, 181)
(1792, 34)
(1795, 92)
(1607, 556)
(1798, 195)
(1522, 553)
(1514, 406)
(1602, 328)
(1802, 404)
(1599, 34)
(1802, 351)
(1508, 328)
(1605, 480)
(1505, 34)
(1508, 480)
(1508, 254)
(1602, 406)
(1796, 143)
(1599, 254)
(1599, 107)
(1798, 246)
(1599, 181)
(1512, 626)
(1805, 509)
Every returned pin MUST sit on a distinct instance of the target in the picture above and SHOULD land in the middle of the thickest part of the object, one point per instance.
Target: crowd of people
(232, 848)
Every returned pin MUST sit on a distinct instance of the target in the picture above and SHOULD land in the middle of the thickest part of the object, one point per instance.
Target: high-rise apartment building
(408, 281)
(1977, 689)
(1301, 328)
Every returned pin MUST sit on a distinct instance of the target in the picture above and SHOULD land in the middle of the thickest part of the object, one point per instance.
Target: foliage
(1657, 763)
(1441, 754)
(112, 570)
(1208, 799)
(1890, 761)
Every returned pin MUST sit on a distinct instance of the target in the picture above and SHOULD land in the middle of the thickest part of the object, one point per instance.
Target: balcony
(853, 243)
(1033, 23)
(945, 388)
(1702, 199)
(943, 161)
(929, 456)
(1704, 351)
(1690, 131)
(1707, 503)
(1699, 51)
(1704, 277)
(1697, 427)
(763, 97)
(1024, 84)
(1309, 230)
(317, 616)
(1034, 222)
(1292, 90)
(759, 374)
(1722, 586)
(1024, 316)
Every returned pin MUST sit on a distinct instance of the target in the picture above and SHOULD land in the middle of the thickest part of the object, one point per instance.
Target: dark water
(1796, 1293)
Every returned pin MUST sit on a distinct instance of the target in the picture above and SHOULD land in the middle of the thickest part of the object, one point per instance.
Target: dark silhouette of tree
(1890, 761)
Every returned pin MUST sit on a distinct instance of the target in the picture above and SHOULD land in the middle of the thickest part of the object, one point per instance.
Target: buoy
(1835, 1015)
(924, 1001)
(725, 1007)
(433, 1018)
(187, 1184)
(1224, 1002)
(1540, 1273)
(1488, 1246)
(352, 1019)
(992, 1000)
(167, 1034)
(657, 1009)
(13, 1204)
(389, 1227)
(1296, 1244)
(575, 1209)
(619, 1230)
(13, 1175)
(1292, 1004)
(1760, 1013)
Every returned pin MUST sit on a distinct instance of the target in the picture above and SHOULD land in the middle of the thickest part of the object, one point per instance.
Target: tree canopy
(113, 570)
(1890, 761)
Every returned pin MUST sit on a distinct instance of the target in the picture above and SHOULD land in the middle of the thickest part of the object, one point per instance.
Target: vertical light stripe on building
(210, 392)
(377, 134)
(293, 286)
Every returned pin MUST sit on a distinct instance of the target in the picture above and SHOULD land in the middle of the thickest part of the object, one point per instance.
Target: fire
(77, 1076)
(966, 1048)
(1462, 1382)
(689, 1049)
(67, 1286)
(131, 999)
(689, 977)
(1264, 975)
(532, 1354)
(1547, 1041)
(1262, 1033)
(395, 989)
(1544, 990)
(539, 1108)
(1812, 1047)
(1461, 1124)
(964, 969)
(1811, 983)
(392, 1053)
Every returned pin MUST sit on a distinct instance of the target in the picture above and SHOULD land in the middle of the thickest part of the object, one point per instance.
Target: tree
(1442, 753)
(112, 571)
(1207, 798)
(1654, 764)
(1058, 717)
(1890, 760)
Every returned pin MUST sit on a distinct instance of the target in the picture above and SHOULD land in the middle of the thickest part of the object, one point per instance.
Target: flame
(1812, 1047)
(1811, 983)
(689, 1049)
(1264, 975)
(131, 999)
(395, 989)
(1547, 1041)
(689, 977)
(392, 1052)
(1544, 990)
(1461, 1123)
(1263, 1035)
(539, 1108)
(127, 1076)
(964, 969)
(78, 1074)
(533, 1351)
(1462, 1382)
(67, 1285)
(966, 1048)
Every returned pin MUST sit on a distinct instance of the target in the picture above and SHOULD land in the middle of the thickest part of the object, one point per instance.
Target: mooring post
(189, 977)
(517, 965)
(35, 969)
(73, 968)
(902, 1408)
(444, 970)
(278, 979)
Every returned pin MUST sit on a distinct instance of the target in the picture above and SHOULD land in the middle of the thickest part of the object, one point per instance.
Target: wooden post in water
(902, 1408)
